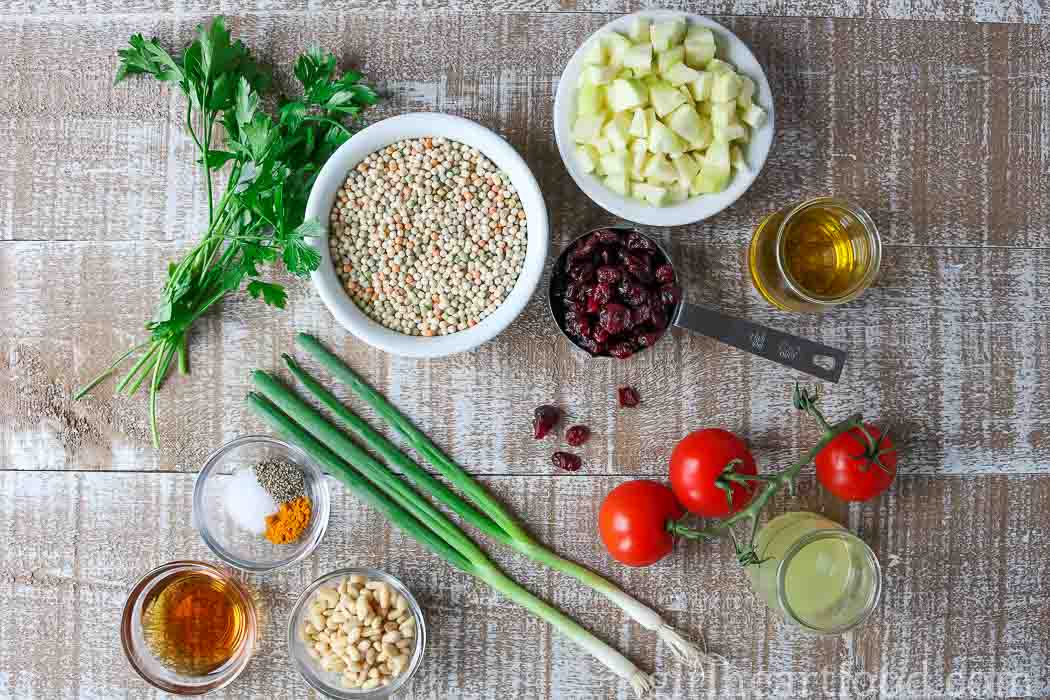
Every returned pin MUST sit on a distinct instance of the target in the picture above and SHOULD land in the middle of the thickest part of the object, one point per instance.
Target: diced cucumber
(736, 159)
(671, 57)
(732, 132)
(725, 87)
(587, 157)
(659, 170)
(616, 163)
(594, 54)
(701, 87)
(665, 98)
(717, 156)
(687, 167)
(590, 99)
(699, 46)
(685, 122)
(639, 30)
(624, 95)
(653, 194)
(602, 144)
(754, 116)
(704, 108)
(666, 34)
(684, 89)
(617, 131)
(588, 127)
(707, 135)
(639, 58)
(598, 75)
(679, 192)
(746, 94)
(717, 65)
(680, 74)
(639, 124)
(723, 113)
(639, 158)
(618, 183)
(663, 140)
(616, 45)
(710, 180)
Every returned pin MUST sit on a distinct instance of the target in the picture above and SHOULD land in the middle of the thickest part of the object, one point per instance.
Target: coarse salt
(248, 503)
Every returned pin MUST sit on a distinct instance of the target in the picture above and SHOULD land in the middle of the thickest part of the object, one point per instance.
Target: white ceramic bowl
(696, 208)
(409, 126)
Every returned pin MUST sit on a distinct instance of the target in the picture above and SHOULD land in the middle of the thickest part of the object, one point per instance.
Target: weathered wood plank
(939, 129)
(938, 539)
(950, 346)
(1013, 11)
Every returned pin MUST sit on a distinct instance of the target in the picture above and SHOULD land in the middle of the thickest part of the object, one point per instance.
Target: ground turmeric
(289, 522)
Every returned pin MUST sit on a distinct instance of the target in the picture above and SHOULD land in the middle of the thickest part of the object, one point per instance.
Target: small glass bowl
(328, 683)
(132, 636)
(230, 542)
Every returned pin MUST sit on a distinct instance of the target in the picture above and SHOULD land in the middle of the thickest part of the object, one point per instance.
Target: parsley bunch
(272, 163)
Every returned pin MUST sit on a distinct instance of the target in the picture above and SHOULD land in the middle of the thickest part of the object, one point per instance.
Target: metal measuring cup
(807, 356)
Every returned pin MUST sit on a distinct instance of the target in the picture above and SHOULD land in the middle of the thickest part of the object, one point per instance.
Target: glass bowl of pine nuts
(357, 633)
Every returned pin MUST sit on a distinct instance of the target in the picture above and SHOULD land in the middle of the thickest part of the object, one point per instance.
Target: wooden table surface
(932, 114)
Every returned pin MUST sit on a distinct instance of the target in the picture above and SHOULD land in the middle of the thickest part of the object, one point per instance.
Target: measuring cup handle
(791, 351)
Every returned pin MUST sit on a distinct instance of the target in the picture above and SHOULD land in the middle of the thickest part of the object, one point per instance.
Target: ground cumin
(289, 522)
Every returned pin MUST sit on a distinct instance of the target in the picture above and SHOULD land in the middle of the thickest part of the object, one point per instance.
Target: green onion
(513, 535)
(402, 507)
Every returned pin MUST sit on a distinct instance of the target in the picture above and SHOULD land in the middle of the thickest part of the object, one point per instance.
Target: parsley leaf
(272, 294)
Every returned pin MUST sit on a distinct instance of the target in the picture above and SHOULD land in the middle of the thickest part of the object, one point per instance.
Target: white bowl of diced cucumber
(663, 118)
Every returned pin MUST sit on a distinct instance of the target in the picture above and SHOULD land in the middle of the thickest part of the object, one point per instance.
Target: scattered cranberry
(568, 462)
(577, 435)
(664, 274)
(544, 419)
(629, 398)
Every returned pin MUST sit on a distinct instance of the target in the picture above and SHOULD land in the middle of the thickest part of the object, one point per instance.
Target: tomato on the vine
(698, 464)
(855, 467)
(633, 521)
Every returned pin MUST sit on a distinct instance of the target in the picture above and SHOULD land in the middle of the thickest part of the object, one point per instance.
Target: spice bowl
(239, 637)
(235, 545)
(330, 683)
(502, 155)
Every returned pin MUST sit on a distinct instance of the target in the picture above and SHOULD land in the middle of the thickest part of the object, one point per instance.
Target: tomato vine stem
(772, 483)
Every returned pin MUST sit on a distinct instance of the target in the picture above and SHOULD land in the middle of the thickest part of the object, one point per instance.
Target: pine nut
(392, 637)
(357, 579)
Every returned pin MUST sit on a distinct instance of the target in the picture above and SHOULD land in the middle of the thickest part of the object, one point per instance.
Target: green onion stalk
(483, 511)
(411, 512)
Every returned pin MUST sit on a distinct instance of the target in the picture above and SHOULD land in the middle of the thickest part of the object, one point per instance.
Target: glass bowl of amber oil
(189, 628)
(818, 254)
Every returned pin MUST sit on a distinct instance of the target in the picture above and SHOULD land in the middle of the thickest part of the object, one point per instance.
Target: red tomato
(847, 469)
(697, 462)
(633, 522)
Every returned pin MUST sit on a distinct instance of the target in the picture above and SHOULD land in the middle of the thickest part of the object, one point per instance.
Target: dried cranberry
(647, 340)
(575, 291)
(636, 241)
(638, 265)
(566, 461)
(591, 345)
(581, 272)
(614, 318)
(600, 335)
(608, 237)
(634, 293)
(577, 325)
(579, 307)
(584, 248)
(641, 314)
(544, 419)
(628, 397)
(658, 317)
(609, 274)
(577, 435)
(665, 274)
(670, 294)
(621, 350)
(605, 257)
(600, 295)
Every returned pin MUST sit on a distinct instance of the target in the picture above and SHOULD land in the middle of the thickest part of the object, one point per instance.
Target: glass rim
(874, 240)
(312, 676)
(238, 661)
(829, 533)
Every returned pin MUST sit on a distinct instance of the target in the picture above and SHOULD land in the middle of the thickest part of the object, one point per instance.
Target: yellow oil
(819, 250)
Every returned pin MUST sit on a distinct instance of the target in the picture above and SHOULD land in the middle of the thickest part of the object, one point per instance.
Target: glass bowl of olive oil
(820, 253)
(189, 628)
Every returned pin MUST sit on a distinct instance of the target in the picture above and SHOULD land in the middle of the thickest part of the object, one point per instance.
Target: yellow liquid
(828, 583)
(825, 251)
(819, 251)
